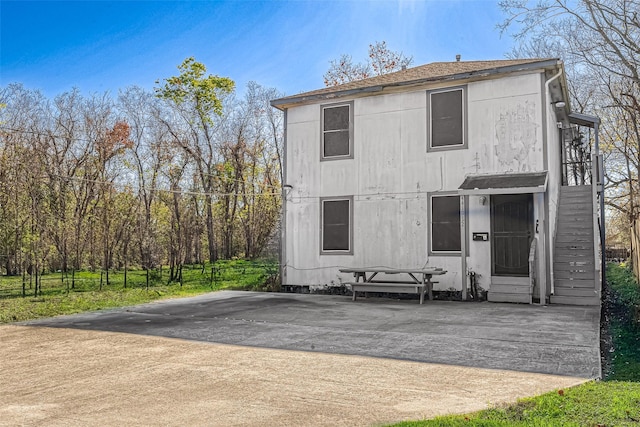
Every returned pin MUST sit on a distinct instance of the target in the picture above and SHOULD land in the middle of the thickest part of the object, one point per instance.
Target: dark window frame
(348, 251)
(464, 119)
(323, 132)
(458, 252)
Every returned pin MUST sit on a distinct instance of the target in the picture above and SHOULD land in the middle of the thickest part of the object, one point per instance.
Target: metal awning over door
(507, 183)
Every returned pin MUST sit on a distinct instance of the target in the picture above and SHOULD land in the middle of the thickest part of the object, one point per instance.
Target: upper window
(336, 221)
(337, 131)
(447, 119)
(445, 224)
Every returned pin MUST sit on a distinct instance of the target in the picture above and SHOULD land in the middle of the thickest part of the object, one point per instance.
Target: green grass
(58, 298)
(591, 404)
(613, 402)
(623, 318)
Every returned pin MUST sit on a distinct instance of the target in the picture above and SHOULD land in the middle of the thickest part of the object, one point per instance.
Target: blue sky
(101, 46)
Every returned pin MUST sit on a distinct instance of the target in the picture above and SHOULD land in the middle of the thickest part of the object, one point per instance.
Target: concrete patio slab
(233, 358)
(559, 340)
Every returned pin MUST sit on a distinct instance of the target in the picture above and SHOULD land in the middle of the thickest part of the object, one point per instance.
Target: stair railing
(598, 245)
(533, 269)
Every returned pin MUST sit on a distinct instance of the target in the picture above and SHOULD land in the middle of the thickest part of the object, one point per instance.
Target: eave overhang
(290, 101)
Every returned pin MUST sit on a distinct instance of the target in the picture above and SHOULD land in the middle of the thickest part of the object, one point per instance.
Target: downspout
(550, 241)
(463, 246)
(546, 85)
(283, 221)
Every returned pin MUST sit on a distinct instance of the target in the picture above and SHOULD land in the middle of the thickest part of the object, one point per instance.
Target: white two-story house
(476, 167)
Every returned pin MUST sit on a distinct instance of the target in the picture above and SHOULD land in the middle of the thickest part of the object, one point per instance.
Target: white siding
(392, 174)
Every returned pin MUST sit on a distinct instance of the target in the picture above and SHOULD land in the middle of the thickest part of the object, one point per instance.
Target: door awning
(507, 183)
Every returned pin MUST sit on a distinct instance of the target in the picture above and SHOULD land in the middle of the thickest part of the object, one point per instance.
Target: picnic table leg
(430, 287)
(358, 276)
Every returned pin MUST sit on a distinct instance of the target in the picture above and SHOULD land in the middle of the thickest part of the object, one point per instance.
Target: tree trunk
(211, 237)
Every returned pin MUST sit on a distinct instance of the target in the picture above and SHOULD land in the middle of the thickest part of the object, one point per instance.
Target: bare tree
(600, 42)
(381, 60)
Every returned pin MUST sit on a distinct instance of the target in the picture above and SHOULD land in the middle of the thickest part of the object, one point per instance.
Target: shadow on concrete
(561, 340)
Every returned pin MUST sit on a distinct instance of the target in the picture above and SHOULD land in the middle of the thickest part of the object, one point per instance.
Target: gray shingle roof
(435, 71)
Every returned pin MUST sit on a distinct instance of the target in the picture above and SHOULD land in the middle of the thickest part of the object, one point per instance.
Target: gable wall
(392, 174)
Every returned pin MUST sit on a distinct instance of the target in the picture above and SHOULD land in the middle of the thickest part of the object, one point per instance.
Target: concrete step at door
(504, 297)
(510, 288)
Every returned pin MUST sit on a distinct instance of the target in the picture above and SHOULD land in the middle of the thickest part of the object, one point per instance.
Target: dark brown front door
(512, 231)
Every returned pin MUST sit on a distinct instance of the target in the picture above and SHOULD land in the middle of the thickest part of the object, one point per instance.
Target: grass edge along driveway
(612, 402)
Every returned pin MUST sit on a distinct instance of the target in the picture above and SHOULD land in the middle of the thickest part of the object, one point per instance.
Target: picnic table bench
(412, 281)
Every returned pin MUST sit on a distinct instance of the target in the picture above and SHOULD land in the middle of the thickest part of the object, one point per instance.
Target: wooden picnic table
(412, 280)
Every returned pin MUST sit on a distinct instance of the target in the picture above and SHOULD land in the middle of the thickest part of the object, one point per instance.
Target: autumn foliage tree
(146, 179)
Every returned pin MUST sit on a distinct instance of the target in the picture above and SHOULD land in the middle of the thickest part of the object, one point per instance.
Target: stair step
(575, 189)
(574, 252)
(578, 231)
(585, 221)
(575, 274)
(578, 197)
(574, 300)
(576, 201)
(575, 292)
(574, 248)
(574, 283)
(579, 234)
(571, 218)
(571, 238)
(573, 265)
(565, 258)
(506, 297)
(574, 227)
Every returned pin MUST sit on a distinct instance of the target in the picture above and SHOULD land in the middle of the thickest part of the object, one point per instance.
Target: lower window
(336, 221)
(445, 224)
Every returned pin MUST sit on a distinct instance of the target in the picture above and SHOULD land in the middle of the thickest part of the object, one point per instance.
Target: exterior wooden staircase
(575, 278)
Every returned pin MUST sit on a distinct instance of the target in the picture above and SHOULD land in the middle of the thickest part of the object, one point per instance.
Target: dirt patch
(68, 377)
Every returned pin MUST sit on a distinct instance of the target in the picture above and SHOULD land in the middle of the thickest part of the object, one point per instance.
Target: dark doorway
(512, 231)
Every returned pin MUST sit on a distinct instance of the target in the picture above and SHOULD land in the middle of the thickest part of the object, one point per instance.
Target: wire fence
(235, 274)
